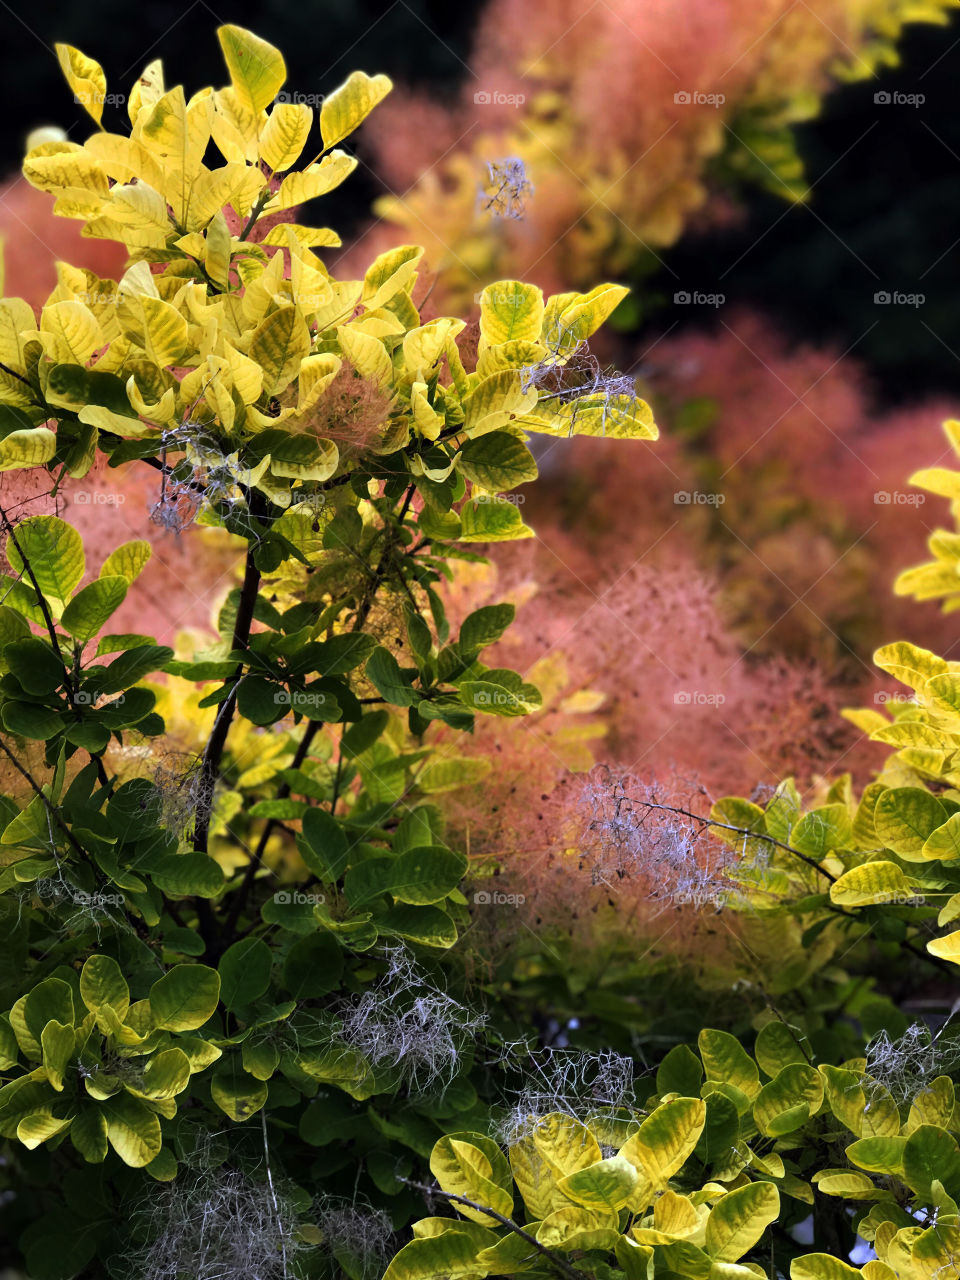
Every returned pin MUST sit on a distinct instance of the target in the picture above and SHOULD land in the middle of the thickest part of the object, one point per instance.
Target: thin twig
(561, 1264)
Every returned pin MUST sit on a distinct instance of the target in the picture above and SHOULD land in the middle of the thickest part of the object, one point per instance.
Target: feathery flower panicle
(403, 1022)
(633, 831)
(576, 383)
(215, 1224)
(569, 1081)
(507, 188)
(906, 1064)
(355, 1235)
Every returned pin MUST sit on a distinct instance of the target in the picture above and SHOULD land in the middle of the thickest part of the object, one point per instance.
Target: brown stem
(213, 754)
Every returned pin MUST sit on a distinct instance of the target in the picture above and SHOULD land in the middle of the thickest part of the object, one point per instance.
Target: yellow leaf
(570, 319)
(947, 947)
(389, 273)
(235, 184)
(147, 90)
(494, 401)
(368, 355)
(429, 423)
(216, 257)
(874, 882)
(315, 180)
(257, 70)
(124, 158)
(423, 347)
(17, 324)
(306, 237)
(55, 166)
(278, 345)
(28, 448)
(164, 331)
(70, 332)
(285, 135)
(138, 205)
(350, 104)
(247, 374)
(179, 132)
(85, 77)
(316, 374)
(510, 310)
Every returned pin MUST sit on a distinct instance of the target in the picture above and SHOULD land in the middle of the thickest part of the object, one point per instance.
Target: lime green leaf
(102, 983)
(906, 817)
(257, 70)
(133, 1130)
(185, 998)
(608, 1184)
(509, 310)
(491, 522)
(237, 1094)
(739, 1219)
(466, 1164)
(873, 882)
(54, 551)
(186, 874)
(244, 972)
(128, 561)
(90, 608)
(278, 345)
(497, 461)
